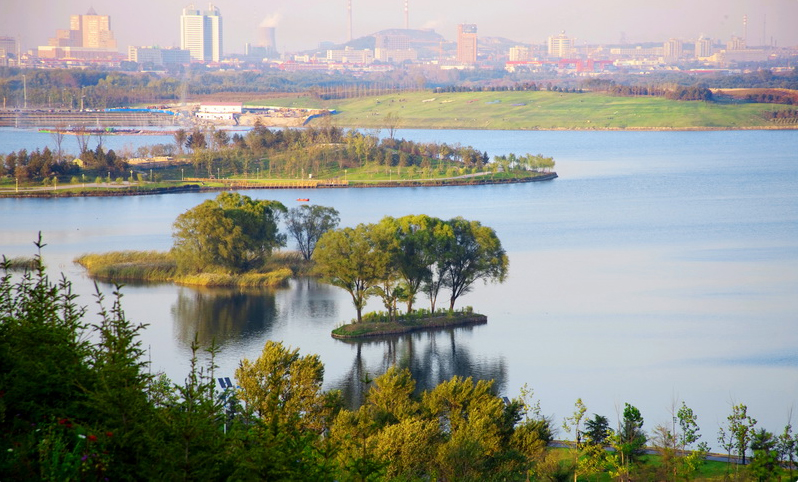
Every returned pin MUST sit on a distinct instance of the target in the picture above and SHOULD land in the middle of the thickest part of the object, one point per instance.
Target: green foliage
(765, 464)
(75, 407)
(396, 258)
(306, 224)
(597, 430)
(349, 259)
(232, 233)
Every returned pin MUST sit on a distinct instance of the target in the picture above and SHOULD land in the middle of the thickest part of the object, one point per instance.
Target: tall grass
(247, 280)
(20, 263)
(130, 266)
(119, 266)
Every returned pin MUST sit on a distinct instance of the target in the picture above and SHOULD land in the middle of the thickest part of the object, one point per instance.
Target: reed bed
(157, 266)
(130, 266)
(20, 263)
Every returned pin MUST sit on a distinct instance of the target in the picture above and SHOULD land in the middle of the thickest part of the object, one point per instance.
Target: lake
(660, 266)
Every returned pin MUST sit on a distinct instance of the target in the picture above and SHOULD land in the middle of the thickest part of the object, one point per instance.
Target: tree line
(323, 150)
(668, 91)
(786, 115)
(42, 164)
(80, 407)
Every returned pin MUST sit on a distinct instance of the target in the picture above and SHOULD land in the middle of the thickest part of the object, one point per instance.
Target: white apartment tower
(201, 33)
(672, 49)
(703, 47)
(560, 46)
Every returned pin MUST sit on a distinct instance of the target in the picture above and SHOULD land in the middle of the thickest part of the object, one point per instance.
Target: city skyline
(303, 26)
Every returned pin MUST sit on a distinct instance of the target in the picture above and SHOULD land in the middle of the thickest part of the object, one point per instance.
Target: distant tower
(407, 16)
(745, 29)
(349, 16)
(467, 43)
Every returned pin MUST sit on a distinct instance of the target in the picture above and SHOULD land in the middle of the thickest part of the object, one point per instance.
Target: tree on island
(397, 258)
(306, 224)
(232, 233)
(474, 252)
(347, 258)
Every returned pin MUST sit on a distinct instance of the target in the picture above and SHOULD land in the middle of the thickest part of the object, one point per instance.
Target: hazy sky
(302, 24)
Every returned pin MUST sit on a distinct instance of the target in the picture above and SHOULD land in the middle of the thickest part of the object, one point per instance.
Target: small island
(232, 241)
(423, 321)
(213, 160)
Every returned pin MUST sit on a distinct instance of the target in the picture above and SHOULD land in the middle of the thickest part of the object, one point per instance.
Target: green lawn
(534, 110)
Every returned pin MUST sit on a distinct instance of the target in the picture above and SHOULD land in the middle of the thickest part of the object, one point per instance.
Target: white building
(672, 49)
(396, 56)
(703, 47)
(201, 33)
(519, 53)
(158, 56)
(351, 56)
(561, 46)
(219, 110)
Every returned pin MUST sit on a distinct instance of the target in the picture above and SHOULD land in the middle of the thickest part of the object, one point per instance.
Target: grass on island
(377, 324)
(156, 266)
(534, 110)
(20, 263)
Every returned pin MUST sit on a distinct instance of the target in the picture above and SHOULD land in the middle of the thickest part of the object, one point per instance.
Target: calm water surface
(658, 267)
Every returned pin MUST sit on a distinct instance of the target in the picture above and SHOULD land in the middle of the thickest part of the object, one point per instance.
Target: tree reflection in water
(431, 357)
(223, 315)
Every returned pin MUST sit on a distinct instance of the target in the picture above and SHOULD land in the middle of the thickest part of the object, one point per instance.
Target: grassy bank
(156, 266)
(536, 110)
(378, 324)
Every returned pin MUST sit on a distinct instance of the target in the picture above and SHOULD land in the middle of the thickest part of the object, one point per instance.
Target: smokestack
(349, 15)
(745, 29)
(407, 17)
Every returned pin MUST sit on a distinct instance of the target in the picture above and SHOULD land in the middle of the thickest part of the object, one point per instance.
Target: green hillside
(535, 110)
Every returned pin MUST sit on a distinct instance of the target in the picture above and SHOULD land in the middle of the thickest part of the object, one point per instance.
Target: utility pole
(25, 89)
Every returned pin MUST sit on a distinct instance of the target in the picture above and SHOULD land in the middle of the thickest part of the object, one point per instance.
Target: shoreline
(128, 191)
(370, 331)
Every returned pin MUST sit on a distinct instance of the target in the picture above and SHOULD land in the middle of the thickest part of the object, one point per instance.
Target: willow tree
(473, 252)
(348, 258)
(230, 233)
(306, 224)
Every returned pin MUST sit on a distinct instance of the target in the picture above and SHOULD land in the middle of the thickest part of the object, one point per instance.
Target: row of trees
(80, 407)
(316, 150)
(399, 258)
(525, 162)
(669, 91)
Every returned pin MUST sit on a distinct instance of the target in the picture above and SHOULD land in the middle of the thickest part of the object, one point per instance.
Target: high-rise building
(88, 31)
(467, 43)
(519, 53)
(703, 47)
(561, 46)
(89, 38)
(736, 43)
(201, 33)
(672, 49)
